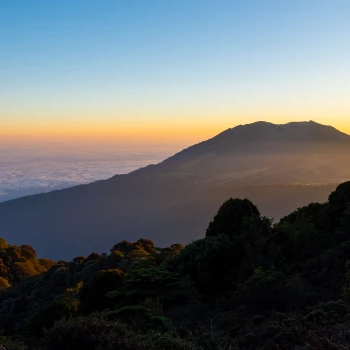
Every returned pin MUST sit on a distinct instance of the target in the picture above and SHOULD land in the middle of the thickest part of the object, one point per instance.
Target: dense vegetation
(249, 284)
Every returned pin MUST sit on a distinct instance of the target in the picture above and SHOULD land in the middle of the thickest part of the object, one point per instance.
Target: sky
(180, 71)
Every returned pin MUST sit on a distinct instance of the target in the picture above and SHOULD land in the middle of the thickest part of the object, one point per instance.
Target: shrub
(9, 343)
(93, 257)
(155, 282)
(207, 262)
(82, 333)
(46, 263)
(28, 252)
(95, 333)
(93, 294)
(263, 290)
(79, 259)
(114, 259)
(23, 269)
(3, 244)
(4, 283)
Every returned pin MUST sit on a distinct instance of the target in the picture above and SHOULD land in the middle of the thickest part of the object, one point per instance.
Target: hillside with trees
(249, 283)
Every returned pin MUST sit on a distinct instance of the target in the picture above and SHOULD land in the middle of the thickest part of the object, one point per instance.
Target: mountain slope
(262, 153)
(169, 202)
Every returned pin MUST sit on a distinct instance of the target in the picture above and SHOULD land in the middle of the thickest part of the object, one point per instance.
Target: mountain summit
(273, 165)
(262, 153)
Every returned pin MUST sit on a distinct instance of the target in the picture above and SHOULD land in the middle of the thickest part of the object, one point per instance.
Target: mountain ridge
(171, 200)
(247, 144)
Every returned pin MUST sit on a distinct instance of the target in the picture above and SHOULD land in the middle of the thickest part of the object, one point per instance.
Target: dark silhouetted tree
(230, 217)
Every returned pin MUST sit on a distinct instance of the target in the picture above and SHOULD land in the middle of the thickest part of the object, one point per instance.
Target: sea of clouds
(30, 170)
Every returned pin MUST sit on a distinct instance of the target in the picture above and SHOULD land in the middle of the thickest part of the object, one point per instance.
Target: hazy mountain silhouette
(262, 153)
(279, 167)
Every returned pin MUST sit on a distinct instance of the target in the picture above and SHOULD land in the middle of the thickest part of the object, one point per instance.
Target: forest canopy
(248, 283)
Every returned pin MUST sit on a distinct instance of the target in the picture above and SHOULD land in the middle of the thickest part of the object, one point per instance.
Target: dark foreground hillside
(249, 284)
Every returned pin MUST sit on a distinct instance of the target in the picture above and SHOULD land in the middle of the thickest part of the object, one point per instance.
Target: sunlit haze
(178, 72)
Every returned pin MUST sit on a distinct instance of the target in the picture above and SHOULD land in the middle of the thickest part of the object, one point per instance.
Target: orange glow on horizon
(128, 135)
(137, 134)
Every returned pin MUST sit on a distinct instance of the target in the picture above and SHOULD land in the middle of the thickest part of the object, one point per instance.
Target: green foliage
(129, 314)
(155, 283)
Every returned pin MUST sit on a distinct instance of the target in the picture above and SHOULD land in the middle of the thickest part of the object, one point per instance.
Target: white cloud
(26, 171)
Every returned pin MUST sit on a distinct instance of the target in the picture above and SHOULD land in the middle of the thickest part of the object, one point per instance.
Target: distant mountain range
(279, 167)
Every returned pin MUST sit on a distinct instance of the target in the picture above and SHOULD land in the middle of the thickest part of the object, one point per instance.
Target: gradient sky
(170, 70)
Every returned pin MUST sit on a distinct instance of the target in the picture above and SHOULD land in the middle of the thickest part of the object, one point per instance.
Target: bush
(45, 319)
(141, 318)
(28, 252)
(4, 283)
(79, 259)
(11, 344)
(93, 294)
(145, 283)
(263, 290)
(207, 262)
(3, 244)
(23, 269)
(94, 333)
(82, 333)
(46, 263)
(93, 257)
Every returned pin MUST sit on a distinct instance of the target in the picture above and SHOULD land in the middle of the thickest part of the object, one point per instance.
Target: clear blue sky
(177, 64)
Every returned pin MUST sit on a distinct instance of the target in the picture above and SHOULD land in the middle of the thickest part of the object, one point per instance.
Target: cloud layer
(28, 171)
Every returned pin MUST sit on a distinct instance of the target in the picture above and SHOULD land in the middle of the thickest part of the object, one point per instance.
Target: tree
(93, 294)
(230, 217)
(207, 262)
(3, 244)
(338, 201)
(4, 283)
(28, 252)
(155, 283)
